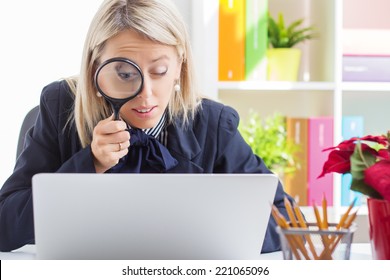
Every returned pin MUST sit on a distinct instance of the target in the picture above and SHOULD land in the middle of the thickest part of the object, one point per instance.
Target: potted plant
(268, 139)
(367, 159)
(283, 58)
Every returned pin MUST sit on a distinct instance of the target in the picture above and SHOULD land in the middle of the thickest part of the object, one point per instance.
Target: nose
(146, 90)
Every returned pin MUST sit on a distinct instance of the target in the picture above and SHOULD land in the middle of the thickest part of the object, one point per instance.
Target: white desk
(25, 253)
(359, 251)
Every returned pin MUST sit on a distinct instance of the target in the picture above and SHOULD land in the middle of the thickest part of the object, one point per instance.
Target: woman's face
(160, 66)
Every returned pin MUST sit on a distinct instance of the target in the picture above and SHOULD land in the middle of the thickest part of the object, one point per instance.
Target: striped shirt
(159, 131)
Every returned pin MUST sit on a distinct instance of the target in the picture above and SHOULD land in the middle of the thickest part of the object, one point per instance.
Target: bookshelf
(320, 90)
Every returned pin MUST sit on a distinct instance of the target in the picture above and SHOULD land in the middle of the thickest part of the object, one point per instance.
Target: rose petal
(338, 161)
(347, 145)
(384, 154)
(378, 177)
(379, 139)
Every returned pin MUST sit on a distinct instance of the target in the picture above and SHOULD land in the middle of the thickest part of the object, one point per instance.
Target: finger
(110, 126)
(116, 156)
(117, 147)
(120, 137)
(106, 160)
(120, 154)
(123, 145)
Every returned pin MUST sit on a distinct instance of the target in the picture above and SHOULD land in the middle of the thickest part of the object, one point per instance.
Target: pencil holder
(312, 243)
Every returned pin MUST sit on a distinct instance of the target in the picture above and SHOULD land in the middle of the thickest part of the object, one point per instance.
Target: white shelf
(306, 86)
(276, 86)
(366, 86)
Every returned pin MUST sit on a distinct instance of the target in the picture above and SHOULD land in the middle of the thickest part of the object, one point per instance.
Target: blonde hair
(159, 21)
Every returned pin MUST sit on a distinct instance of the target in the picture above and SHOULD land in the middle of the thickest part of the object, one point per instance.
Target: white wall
(42, 41)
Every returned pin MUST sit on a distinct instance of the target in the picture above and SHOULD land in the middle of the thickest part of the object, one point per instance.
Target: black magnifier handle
(116, 108)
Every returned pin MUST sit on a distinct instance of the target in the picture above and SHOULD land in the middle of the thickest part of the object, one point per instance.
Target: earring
(177, 88)
(98, 94)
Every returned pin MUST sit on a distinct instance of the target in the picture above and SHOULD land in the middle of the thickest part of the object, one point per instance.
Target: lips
(144, 110)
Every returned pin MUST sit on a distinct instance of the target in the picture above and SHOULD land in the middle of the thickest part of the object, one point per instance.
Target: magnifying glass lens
(119, 79)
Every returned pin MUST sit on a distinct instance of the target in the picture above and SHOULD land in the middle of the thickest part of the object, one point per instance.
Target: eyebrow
(160, 58)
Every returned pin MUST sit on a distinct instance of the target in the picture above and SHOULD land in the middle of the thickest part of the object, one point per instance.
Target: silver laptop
(151, 216)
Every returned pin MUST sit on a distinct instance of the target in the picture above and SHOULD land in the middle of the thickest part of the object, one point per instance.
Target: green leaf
(293, 26)
(360, 161)
(273, 32)
(360, 186)
(281, 22)
(282, 36)
(268, 139)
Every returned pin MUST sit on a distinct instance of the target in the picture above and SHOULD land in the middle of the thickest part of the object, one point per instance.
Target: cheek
(162, 88)
(163, 92)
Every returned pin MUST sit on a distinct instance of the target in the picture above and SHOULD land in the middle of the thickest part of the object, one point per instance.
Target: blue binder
(352, 126)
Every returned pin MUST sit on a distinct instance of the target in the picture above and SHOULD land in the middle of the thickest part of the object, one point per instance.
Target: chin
(144, 124)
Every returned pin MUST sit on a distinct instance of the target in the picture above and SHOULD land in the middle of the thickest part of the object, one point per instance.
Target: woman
(76, 132)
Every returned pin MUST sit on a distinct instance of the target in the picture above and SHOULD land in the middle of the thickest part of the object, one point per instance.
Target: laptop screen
(151, 216)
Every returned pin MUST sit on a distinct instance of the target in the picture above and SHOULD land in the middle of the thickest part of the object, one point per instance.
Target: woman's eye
(160, 71)
(124, 75)
(127, 75)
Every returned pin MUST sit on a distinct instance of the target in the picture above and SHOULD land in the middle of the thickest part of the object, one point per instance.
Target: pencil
(350, 220)
(345, 215)
(294, 223)
(277, 216)
(336, 239)
(303, 224)
(325, 241)
(317, 215)
(347, 224)
(290, 212)
(324, 212)
(343, 219)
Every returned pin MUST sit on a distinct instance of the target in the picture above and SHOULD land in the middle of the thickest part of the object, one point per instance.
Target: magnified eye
(127, 75)
(124, 75)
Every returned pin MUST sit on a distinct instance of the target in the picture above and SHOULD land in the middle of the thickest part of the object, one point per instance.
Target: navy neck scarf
(146, 155)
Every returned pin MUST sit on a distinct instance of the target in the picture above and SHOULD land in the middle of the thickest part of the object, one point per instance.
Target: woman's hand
(110, 142)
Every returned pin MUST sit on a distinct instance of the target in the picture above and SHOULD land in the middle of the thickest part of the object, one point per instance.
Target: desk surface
(359, 251)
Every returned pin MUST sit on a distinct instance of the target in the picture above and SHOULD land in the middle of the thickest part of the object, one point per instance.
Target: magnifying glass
(118, 80)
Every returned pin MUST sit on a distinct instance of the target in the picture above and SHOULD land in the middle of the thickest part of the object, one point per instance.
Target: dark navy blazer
(210, 144)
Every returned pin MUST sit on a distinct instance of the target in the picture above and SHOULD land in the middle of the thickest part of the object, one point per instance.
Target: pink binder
(320, 137)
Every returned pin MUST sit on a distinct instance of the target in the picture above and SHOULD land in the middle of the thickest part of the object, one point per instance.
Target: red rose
(367, 159)
(339, 157)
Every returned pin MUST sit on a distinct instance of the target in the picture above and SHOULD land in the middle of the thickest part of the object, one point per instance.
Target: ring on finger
(120, 147)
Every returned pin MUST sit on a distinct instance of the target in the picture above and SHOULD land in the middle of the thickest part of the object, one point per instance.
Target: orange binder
(296, 184)
(231, 56)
